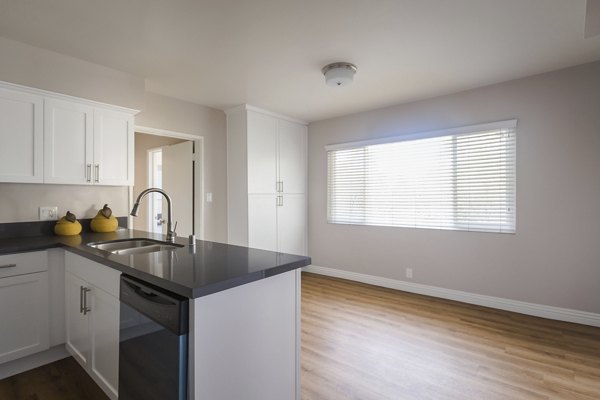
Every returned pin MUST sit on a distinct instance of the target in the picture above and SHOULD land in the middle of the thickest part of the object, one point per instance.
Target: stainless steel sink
(134, 246)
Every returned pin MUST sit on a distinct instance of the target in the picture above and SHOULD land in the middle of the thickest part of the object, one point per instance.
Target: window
(460, 179)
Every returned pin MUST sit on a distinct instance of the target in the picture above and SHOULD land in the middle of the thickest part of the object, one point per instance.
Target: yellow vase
(67, 228)
(102, 224)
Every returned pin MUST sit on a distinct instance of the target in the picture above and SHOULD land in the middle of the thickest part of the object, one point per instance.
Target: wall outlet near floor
(48, 213)
(409, 273)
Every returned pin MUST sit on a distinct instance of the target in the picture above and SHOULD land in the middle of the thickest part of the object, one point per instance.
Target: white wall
(180, 116)
(553, 259)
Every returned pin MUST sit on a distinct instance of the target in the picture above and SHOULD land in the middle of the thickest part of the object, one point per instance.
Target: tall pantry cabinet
(266, 180)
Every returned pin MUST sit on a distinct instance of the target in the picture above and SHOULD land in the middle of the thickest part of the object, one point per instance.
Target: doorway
(173, 162)
(155, 217)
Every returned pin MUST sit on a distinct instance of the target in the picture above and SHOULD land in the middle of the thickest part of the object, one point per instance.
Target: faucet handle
(171, 234)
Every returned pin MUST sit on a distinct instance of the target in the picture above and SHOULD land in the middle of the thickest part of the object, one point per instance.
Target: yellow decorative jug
(67, 225)
(104, 221)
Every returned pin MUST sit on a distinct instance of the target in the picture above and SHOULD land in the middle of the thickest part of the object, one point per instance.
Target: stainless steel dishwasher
(153, 342)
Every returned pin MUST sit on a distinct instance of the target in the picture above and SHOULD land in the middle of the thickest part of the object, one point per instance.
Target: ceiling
(269, 53)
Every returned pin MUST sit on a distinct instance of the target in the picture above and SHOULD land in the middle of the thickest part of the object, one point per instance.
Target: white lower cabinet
(262, 221)
(92, 319)
(104, 335)
(77, 324)
(24, 309)
(277, 222)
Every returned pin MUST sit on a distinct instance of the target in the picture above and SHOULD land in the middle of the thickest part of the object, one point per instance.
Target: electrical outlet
(48, 213)
(409, 273)
(209, 197)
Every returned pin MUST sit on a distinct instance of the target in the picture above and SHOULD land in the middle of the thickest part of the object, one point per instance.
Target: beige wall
(34, 67)
(553, 259)
(43, 69)
(19, 202)
(143, 143)
(180, 116)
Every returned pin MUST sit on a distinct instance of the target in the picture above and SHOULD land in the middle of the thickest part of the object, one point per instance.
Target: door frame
(198, 173)
(151, 215)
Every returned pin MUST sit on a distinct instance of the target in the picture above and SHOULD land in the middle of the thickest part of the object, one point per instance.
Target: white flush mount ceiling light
(339, 73)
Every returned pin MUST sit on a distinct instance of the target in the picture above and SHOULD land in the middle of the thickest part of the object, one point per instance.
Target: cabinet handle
(8, 266)
(85, 307)
(279, 201)
(97, 173)
(88, 173)
(282, 189)
(81, 299)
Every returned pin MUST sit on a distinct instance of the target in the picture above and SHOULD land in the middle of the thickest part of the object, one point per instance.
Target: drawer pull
(8, 266)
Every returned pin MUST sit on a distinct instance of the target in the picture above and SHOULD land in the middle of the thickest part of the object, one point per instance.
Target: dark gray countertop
(209, 268)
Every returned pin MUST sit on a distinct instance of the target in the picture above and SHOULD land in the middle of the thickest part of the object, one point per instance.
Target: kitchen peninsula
(244, 326)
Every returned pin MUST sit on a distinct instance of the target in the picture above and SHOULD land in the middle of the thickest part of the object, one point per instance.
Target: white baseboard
(33, 361)
(537, 310)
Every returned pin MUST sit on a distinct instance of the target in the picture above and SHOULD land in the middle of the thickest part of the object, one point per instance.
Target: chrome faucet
(170, 230)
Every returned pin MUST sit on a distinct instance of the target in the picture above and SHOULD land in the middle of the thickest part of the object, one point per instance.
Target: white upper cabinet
(262, 153)
(86, 145)
(113, 148)
(21, 137)
(68, 144)
(51, 138)
(292, 157)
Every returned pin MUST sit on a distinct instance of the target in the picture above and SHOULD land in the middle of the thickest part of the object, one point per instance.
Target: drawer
(99, 275)
(23, 263)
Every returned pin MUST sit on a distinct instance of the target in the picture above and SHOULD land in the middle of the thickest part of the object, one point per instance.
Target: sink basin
(134, 246)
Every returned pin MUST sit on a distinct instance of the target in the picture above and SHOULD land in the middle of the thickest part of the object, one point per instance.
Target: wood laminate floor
(60, 380)
(365, 342)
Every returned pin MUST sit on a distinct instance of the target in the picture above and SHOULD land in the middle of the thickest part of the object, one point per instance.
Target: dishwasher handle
(149, 295)
(165, 308)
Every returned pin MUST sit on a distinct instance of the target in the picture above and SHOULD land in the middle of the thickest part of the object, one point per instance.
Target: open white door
(178, 182)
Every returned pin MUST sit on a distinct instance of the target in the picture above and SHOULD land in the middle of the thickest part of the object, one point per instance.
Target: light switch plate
(209, 197)
(48, 213)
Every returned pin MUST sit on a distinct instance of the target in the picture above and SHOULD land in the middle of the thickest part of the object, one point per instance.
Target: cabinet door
(24, 311)
(21, 137)
(262, 222)
(292, 157)
(104, 329)
(113, 148)
(77, 324)
(291, 224)
(262, 153)
(68, 142)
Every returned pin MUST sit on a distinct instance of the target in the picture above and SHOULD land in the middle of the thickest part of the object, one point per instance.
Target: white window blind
(461, 179)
